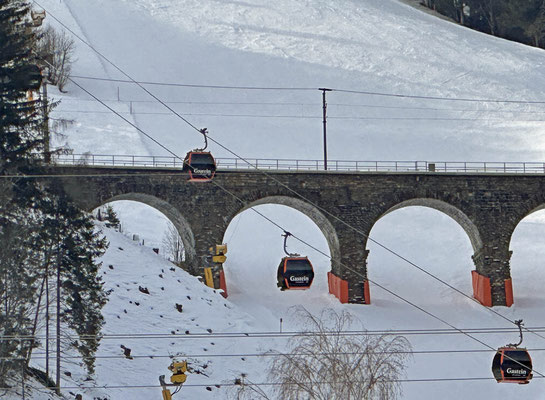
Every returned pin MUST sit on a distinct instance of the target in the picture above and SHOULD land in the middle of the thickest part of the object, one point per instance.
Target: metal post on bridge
(324, 105)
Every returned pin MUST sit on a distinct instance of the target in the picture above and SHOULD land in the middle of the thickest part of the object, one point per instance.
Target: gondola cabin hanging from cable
(294, 271)
(512, 364)
(200, 164)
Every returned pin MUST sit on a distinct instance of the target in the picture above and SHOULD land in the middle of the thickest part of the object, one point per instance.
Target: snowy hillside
(380, 46)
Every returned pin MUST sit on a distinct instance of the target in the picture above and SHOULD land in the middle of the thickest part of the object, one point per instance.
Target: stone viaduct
(488, 206)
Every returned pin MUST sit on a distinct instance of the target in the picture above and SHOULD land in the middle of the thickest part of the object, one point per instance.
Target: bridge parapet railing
(305, 165)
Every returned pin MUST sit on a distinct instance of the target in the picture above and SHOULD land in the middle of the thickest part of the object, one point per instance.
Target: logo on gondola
(299, 279)
(516, 371)
(202, 172)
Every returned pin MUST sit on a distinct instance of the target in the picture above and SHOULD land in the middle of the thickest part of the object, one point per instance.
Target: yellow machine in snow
(178, 378)
(216, 257)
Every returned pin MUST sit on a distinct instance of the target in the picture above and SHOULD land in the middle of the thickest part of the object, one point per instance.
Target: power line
(223, 115)
(275, 334)
(41, 356)
(300, 104)
(364, 92)
(187, 85)
(231, 384)
(460, 99)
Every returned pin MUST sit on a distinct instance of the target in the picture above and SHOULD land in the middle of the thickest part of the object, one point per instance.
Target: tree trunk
(58, 376)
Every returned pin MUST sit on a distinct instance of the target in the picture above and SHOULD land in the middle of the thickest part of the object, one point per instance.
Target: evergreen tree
(70, 235)
(112, 221)
(19, 117)
(41, 231)
(19, 144)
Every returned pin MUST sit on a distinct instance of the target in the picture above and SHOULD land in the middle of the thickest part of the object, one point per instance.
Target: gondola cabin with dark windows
(295, 273)
(512, 365)
(200, 165)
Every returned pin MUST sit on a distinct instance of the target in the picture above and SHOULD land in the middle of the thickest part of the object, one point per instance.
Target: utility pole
(47, 338)
(324, 104)
(45, 126)
(58, 375)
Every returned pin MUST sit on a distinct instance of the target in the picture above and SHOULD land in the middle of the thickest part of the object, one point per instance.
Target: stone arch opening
(456, 214)
(432, 234)
(170, 212)
(265, 247)
(527, 250)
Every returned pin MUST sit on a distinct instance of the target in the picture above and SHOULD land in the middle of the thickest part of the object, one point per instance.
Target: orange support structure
(481, 289)
(338, 287)
(366, 293)
(223, 285)
(508, 292)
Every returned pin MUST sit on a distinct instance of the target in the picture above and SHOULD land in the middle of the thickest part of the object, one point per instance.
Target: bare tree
(57, 49)
(327, 363)
(173, 245)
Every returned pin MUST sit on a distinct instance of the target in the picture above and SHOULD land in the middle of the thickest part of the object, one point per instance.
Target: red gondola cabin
(200, 165)
(295, 273)
(513, 365)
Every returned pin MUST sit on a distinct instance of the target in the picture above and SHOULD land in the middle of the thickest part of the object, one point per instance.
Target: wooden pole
(45, 126)
(58, 375)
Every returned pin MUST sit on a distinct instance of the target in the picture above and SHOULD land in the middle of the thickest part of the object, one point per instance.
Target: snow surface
(369, 45)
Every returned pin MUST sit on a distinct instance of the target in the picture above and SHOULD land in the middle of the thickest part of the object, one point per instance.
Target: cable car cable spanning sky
(264, 172)
(301, 240)
(288, 188)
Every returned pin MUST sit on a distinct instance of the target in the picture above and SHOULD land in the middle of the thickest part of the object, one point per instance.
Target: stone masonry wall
(345, 206)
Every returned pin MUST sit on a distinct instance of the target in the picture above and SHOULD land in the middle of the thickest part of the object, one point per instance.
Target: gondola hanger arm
(204, 131)
(518, 323)
(286, 235)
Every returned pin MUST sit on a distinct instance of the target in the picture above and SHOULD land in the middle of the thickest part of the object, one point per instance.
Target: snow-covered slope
(377, 46)
(368, 45)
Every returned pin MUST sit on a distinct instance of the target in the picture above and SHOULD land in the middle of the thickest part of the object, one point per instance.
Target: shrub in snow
(324, 363)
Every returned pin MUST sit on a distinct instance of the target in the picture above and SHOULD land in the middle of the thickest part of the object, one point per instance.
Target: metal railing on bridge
(305, 165)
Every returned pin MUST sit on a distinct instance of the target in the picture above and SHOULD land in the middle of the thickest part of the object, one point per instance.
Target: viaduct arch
(488, 206)
(169, 211)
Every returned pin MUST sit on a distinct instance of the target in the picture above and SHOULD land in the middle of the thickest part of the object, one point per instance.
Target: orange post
(482, 290)
(338, 287)
(366, 293)
(508, 292)
(223, 285)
